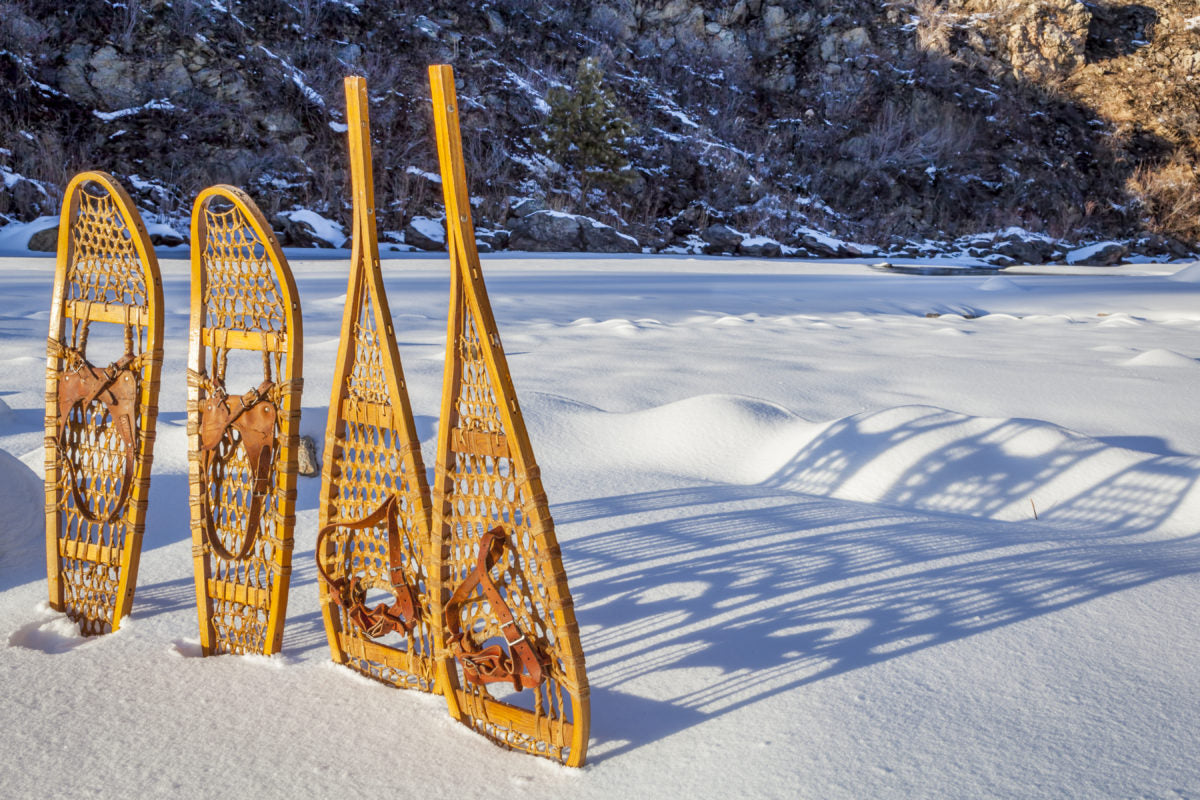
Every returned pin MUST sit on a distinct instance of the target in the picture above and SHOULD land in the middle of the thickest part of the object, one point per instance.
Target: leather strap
(351, 594)
(116, 388)
(523, 666)
(253, 416)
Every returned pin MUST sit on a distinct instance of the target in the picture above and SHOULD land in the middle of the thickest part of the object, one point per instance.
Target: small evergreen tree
(588, 130)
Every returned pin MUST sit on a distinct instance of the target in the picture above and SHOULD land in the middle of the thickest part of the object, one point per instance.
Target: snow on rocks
(1100, 254)
(40, 235)
(425, 233)
(160, 104)
(822, 244)
(304, 228)
(556, 231)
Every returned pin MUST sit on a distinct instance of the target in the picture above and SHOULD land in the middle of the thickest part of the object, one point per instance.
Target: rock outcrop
(892, 124)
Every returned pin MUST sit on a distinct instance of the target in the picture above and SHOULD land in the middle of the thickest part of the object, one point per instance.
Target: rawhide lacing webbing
(351, 594)
(253, 416)
(116, 388)
(523, 667)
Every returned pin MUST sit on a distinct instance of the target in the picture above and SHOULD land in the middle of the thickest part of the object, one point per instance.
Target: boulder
(760, 247)
(166, 238)
(1047, 38)
(425, 234)
(722, 238)
(547, 232)
(1101, 254)
(45, 240)
(822, 247)
(526, 206)
(495, 22)
(307, 463)
(1026, 251)
(488, 240)
(296, 233)
(601, 238)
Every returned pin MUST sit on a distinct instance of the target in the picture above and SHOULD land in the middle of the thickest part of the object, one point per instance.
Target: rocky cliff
(905, 126)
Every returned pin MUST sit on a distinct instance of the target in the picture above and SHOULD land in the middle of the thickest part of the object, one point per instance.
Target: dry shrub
(1170, 193)
(935, 24)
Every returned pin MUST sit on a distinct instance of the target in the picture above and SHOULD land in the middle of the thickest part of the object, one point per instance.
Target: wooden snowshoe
(104, 353)
(509, 659)
(372, 546)
(243, 423)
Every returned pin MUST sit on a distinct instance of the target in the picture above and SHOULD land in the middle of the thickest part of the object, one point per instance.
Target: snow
(297, 77)
(323, 228)
(164, 229)
(1081, 254)
(420, 173)
(431, 229)
(832, 242)
(162, 104)
(14, 237)
(831, 532)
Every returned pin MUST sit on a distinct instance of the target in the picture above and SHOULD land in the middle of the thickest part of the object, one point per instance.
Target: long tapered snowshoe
(509, 658)
(375, 511)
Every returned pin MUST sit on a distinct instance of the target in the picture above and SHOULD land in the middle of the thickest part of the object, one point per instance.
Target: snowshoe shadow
(744, 593)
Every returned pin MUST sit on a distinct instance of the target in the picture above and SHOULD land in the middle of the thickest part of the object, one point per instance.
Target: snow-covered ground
(796, 504)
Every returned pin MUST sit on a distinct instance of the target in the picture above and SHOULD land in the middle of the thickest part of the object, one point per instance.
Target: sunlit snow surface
(796, 505)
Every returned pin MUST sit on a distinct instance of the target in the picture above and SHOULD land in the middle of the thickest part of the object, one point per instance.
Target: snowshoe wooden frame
(374, 521)
(242, 447)
(100, 421)
(496, 564)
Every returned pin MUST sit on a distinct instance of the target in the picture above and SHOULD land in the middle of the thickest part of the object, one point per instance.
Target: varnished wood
(483, 442)
(243, 298)
(106, 272)
(371, 449)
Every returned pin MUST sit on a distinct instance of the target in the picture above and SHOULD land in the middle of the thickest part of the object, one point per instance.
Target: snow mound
(718, 438)
(14, 237)
(1187, 274)
(22, 525)
(915, 457)
(999, 284)
(930, 459)
(1161, 358)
